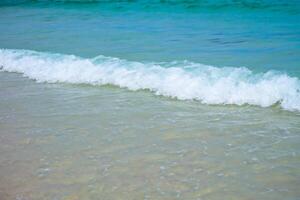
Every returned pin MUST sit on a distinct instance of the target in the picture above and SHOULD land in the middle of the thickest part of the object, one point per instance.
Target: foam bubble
(181, 80)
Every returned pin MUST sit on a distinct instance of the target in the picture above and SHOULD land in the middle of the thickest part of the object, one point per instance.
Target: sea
(149, 99)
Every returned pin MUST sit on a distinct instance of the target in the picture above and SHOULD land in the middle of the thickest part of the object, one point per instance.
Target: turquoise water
(260, 35)
(149, 99)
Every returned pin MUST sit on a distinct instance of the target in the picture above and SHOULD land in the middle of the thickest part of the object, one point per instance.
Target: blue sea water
(262, 34)
(160, 99)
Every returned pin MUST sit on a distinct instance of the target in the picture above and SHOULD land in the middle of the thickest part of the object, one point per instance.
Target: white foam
(181, 80)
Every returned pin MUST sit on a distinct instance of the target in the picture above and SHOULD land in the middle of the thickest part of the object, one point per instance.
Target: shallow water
(83, 142)
(68, 131)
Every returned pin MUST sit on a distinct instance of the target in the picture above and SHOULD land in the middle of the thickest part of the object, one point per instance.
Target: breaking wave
(182, 80)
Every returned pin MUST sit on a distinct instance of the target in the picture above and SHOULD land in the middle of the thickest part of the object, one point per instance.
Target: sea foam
(182, 80)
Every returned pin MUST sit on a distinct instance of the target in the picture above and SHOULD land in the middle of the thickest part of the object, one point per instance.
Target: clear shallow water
(85, 142)
(92, 140)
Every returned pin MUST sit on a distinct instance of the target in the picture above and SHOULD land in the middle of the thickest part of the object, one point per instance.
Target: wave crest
(181, 80)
